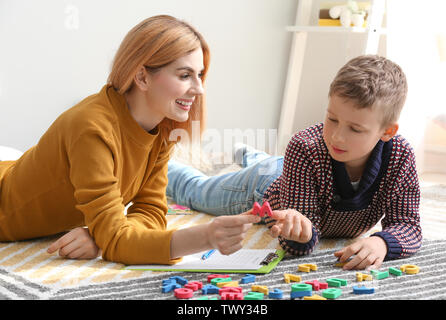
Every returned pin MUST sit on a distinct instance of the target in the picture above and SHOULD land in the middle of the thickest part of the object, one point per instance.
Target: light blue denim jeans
(227, 194)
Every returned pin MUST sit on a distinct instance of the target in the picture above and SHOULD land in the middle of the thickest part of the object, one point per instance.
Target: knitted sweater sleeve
(295, 189)
(401, 229)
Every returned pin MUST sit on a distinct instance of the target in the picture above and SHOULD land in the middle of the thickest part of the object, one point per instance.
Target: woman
(112, 149)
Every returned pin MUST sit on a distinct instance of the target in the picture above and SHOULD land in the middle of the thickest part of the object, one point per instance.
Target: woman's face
(173, 88)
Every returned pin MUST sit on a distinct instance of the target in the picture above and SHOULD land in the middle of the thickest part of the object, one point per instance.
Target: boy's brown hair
(372, 81)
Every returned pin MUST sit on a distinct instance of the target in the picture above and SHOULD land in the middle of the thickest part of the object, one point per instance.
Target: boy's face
(351, 133)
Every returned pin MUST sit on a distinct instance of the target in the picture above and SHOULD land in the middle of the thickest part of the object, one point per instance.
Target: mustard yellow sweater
(92, 162)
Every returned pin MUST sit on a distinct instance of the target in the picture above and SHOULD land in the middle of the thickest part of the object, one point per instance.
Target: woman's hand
(76, 244)
(226, 233)
(291, 225)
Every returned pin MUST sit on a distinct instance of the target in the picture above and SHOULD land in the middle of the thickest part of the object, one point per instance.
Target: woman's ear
(141, 79)
(390, 132)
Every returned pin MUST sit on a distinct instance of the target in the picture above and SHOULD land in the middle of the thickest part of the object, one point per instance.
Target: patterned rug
(28, 272)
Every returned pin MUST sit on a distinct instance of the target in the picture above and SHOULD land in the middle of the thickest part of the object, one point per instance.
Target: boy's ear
(390, 132)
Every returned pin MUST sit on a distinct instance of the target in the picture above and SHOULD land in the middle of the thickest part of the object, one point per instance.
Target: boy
(337, 179)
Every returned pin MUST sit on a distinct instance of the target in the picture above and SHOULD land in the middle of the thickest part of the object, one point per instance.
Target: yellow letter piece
(227, 284)
(257, 288)
(362, 276)
(306, 267)
(410, 268)
(315, 297)
(291, 277)
(340, 264)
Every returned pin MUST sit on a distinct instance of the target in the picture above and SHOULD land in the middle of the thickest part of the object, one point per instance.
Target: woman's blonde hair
(372, 81)
(155, 43)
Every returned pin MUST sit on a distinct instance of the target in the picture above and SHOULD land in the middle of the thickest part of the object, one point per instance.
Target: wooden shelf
(333, 29)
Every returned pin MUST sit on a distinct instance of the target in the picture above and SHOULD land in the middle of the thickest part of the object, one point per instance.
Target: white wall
(325, 54)
(53, 53)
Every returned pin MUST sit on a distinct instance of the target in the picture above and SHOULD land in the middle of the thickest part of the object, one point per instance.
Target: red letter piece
(212, 276)
(266, 209)
(194, 285)
(232, 296)
(230, 289)
(183, 293)
(256, 209)
(317, 285)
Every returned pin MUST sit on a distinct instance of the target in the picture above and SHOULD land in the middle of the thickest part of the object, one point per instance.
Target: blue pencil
(207, 254)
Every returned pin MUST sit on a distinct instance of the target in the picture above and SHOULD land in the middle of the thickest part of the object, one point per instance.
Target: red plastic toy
(183, 293)
(261, 211)
(232, 296)
(194, 285)
(317, 285)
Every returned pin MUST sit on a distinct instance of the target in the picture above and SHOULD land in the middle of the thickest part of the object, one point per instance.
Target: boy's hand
(291, 225)
(226, 233)
(369, 251)
(76, 244)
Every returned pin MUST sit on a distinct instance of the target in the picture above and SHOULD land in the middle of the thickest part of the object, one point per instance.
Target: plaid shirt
(318, 186)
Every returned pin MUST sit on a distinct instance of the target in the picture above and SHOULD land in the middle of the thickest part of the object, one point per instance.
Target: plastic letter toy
(301, 287)
(340, 264)
(317, 285)
(300, 294)
(232, 296)
(331, 293)
(395, 271)
(315, 297)
(256, 208)
(231, 293)
(306, 267)
(230, 289)
(291, 277)
(248, 278)
(179, 279)
(227, 284)
(194, 285)
(266, 209)
(379, 274)
(215, 281)
(261, 211)
(410, 268)
(256, 288)
(210, 288)
(183, 293)
(299, 290)
(254, 296)
(276, 294)
(207, 298)
(335, 282)
(168, 281)
(363, 290)
(362, 277)
(213, 276)
(169, 286)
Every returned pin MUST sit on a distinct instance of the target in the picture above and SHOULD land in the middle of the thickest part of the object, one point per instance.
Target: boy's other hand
(76, 244)
(291, 225)
(366, 251)
(226, 233)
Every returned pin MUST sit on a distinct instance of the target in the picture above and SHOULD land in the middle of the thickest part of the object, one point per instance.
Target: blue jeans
(227, 194)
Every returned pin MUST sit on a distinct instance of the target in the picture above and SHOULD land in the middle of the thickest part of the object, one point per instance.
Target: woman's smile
(184, 104)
